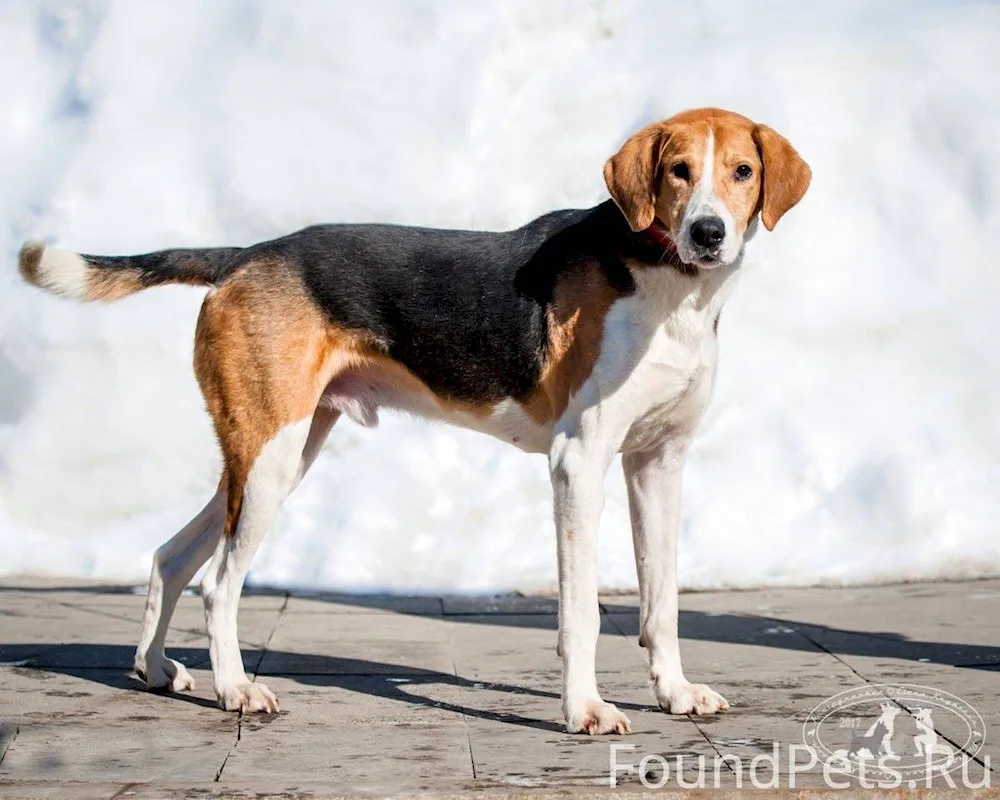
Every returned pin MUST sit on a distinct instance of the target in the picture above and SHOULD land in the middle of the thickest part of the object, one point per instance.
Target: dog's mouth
(681, 248)
(702, 259)
(708, 258)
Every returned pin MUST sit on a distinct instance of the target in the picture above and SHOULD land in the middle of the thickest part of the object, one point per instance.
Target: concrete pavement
(458, 695)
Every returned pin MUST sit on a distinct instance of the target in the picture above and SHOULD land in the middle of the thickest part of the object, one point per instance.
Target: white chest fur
(655, 373)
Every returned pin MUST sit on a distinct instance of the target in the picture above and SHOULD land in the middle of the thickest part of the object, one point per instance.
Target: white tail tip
(60, 271)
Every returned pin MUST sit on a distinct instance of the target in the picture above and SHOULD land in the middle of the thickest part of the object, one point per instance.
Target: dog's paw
(682, 697)
(249, 698)
(163, 674)
(597, 717)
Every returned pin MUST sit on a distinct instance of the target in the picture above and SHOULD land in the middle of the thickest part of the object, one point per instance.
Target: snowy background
(855, 434)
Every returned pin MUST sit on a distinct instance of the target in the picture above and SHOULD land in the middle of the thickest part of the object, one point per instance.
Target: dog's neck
(662, 249)
(658, 233)
(686, 306)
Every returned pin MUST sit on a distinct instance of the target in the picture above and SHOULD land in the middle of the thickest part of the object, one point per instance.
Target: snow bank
(854, 436)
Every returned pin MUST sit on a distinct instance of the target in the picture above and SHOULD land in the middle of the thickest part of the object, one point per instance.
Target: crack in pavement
(255, 671)
(5, 743)
(465, 718)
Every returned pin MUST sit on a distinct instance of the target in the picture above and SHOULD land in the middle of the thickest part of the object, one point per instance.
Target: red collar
(659, 234)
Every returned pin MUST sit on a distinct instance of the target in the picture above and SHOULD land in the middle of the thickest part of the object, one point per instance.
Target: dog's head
(704, 176)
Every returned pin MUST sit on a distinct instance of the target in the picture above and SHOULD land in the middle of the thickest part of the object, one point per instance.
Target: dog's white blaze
(63, 272)
(701, 197)
(699, 204)
(705, 202)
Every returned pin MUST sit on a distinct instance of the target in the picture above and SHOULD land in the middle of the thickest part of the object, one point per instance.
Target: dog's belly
(511, 424)
(362, 392)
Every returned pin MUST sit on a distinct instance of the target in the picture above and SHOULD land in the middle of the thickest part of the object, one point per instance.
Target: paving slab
(518, 739)
(356, 733)
(128, 749)
(357, 644)
(459, 696)
(488, 646)
(99, 725)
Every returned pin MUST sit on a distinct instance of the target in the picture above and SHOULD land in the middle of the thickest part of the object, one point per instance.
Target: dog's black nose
(708, 231)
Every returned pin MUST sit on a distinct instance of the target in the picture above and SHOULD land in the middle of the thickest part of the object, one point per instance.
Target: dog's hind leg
(263, 356)
(271, 478)
(174, 565)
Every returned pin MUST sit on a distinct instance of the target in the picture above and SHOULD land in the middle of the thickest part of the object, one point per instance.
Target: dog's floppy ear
(786, 175)
(631, 176)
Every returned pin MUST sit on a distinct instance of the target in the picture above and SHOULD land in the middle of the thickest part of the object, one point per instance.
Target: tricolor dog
(581, 335)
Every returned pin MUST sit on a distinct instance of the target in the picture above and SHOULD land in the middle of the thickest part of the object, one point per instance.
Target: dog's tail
(84, 277)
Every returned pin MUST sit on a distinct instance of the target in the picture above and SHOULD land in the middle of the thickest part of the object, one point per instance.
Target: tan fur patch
(29, 259)
(576, 315)
(734, 146)
(110, 285)
(264, 354)
(786, 175)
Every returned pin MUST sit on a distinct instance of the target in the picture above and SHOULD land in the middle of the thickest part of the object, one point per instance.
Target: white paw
(682, 697)
(596, 717)
(163, 673)
(248, 698)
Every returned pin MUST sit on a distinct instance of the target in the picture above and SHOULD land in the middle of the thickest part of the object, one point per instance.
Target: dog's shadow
(373, 678)
(110, 664)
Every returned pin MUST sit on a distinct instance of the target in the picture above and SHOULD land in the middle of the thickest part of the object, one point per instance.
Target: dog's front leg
(654, 493)
(577, 469)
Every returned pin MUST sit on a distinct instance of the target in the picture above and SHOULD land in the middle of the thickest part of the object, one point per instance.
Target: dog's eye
(680, 170)
(743, 172)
